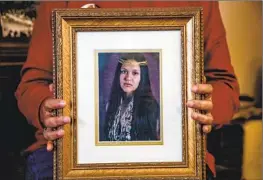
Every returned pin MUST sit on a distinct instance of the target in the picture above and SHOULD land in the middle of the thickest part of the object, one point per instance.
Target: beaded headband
(132, 62)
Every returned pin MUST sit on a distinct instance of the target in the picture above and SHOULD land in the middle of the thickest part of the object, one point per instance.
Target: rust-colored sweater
(37, 70)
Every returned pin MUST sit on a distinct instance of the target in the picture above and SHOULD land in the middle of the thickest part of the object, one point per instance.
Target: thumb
(204, 79)
(50, 146)
(51, 86)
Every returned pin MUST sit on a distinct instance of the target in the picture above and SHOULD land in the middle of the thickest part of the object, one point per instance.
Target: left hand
(205, 105)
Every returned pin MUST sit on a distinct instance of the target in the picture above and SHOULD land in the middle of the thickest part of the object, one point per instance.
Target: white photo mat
(170, 44)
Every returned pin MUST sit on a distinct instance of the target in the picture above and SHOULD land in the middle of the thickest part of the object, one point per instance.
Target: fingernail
(206, 129)
(190, 103)
(66, 119)
(60, 132)
(194, 115)
(49, 146)
(194, 88)
(62, 103)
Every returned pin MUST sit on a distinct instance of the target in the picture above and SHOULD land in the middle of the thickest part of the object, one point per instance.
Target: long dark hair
(145, 108)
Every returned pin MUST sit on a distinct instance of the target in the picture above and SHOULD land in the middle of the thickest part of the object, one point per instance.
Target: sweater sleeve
(218, 69)
(37, 70)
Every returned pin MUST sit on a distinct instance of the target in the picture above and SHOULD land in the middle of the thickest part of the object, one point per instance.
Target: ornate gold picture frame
(148, 58)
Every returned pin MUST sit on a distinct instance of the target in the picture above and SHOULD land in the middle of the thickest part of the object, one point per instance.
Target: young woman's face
(130, 77)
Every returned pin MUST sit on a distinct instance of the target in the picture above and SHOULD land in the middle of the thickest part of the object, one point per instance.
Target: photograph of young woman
(132, 111)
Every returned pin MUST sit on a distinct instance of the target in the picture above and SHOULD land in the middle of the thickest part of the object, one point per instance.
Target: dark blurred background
(237, 146)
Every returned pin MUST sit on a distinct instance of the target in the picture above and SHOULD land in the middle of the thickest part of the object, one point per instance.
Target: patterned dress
(121, 127)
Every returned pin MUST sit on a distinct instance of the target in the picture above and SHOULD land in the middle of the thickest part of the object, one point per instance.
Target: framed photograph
(126, 75)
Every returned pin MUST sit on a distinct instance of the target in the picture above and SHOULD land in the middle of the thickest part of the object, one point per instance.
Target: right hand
(51, 122)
